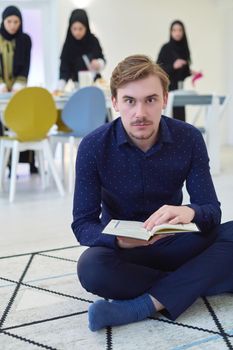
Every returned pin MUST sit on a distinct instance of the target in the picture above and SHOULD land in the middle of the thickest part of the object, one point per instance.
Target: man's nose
(140, 109)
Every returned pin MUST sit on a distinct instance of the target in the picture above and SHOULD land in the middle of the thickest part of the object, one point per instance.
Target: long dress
(76, 53)
(168, 54)
(15, 53)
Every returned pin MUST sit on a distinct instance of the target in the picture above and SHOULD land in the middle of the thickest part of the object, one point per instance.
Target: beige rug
(42, 305)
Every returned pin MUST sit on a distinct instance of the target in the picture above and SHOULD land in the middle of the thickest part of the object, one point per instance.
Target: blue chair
(84, 112)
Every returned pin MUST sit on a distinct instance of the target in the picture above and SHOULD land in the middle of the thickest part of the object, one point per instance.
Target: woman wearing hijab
(15, 52)
(15, 49)
(174, 58)
(81, 50)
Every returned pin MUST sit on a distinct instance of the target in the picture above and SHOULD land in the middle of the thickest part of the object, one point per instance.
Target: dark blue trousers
(175, 270)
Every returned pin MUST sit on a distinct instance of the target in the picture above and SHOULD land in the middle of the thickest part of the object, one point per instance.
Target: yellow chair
(61, 126)
(30, 114)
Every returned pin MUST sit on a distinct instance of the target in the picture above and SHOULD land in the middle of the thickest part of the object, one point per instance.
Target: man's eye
(150, 100)
(129, 101)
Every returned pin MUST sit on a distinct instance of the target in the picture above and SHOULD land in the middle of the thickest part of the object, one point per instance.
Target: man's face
(140, 104)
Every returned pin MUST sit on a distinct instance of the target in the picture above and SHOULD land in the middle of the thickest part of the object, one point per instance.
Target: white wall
(228, 67)
(40, 21)
(126, 27)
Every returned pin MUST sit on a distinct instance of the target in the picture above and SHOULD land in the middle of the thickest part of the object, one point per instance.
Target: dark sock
(105, 313)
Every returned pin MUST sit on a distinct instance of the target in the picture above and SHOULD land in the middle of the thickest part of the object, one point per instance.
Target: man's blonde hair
(136, 67)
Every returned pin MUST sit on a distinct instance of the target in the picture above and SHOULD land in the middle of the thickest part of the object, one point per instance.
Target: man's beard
(140, 122)
(142, 137)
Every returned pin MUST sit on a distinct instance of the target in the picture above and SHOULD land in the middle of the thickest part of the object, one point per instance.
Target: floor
(43, 305)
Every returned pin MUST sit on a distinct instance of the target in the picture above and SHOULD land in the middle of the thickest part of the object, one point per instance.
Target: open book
(135, 229)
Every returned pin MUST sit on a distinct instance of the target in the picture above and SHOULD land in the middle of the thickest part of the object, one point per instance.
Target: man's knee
(225, 232)
(93, 268)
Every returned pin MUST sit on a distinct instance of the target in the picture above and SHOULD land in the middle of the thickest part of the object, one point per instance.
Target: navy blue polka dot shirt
(117, 180)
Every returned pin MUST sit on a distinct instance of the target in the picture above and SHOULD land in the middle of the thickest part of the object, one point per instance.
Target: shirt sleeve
(201, 189)
(65, 70)
(87, 225)
(23, 69)
(96, 51)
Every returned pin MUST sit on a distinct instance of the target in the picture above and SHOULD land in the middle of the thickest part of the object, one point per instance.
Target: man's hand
(127, 243)
(170, 214)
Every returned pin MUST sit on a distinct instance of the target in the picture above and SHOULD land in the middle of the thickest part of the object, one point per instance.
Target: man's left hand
(170, 214)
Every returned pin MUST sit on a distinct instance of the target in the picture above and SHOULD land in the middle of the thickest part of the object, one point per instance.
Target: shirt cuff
(198, 214)
(18, 86)
(101, 64)
(108, 241)
(2, 87)
(61, 85)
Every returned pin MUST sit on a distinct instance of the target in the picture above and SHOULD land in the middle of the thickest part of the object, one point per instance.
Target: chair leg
(14, 163)
(40, 158)
(48, 154)
(4, 160)
(63, 165)
(53, 147)
(7, 157)
(2, 168)
(71, 164)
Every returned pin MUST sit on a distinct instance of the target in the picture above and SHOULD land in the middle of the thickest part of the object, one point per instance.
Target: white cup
(85, 78)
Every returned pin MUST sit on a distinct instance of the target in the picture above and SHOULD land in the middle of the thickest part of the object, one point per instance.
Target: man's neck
(144, 145)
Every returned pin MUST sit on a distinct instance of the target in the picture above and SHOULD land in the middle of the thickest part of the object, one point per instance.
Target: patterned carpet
(43, 305)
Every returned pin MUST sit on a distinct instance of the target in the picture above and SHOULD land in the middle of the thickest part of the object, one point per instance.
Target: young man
(134, 169)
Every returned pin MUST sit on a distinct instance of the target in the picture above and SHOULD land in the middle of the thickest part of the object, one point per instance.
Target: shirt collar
(165, 135)
(121, 134)
(164, 132)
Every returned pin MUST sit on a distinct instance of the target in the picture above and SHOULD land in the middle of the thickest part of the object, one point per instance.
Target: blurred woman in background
(174, 58)
(15, 50)
(15, 53)
(81, 50)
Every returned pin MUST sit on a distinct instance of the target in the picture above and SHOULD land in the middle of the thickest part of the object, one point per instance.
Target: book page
(135, 229)
(125, 228)
(168, 228)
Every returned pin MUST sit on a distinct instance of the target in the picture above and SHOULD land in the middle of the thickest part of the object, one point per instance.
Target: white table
(215, 105)
(60, 102)
(177, 98)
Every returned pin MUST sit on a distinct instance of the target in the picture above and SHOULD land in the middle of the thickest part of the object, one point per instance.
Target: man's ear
(165, 98)
(115, 104)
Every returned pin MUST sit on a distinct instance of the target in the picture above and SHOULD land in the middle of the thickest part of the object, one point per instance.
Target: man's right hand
(129, 243)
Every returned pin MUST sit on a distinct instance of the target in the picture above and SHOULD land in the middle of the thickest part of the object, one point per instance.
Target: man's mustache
(142, 121)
